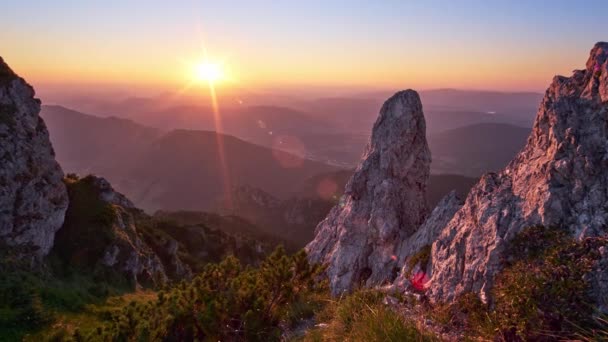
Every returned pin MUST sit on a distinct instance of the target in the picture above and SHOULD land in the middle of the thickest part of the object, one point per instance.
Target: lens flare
(327, 188)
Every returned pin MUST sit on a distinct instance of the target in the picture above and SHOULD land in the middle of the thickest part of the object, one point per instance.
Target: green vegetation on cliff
(362, 316)
(34, 296)
(87, 228)
(226, 301)
(542, 293)
(545, 288)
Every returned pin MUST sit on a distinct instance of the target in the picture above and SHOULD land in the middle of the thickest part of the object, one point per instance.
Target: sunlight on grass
(67, 323)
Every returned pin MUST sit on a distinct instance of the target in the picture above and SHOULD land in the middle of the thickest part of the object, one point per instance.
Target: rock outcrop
(384, 202)
(128, 253)
(423, 239)
(103, 228)
(559, 179)
(33, 198)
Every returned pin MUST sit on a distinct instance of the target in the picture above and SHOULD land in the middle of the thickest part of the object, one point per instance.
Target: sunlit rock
(384, 202)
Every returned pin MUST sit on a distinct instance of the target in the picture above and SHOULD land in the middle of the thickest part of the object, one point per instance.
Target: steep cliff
(384, 202)
(33, 198)
(559, 179)
(414, 252)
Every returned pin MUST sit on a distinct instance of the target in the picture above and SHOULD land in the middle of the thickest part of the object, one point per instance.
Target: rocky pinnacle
(384, 201)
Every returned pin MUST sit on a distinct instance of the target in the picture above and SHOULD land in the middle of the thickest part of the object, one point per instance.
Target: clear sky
(505, 45)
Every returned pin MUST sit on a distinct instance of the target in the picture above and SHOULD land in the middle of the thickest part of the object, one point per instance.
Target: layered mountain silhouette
(469, 150)
(82, 223)
(476, 149)
(90, 144)
(182, 169)
(332, 130)
(147, 164)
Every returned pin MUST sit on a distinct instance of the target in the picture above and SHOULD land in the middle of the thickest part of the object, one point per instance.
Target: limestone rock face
(558, 179)
(103, 227)
(424, 238)
(33, 198)
(384, 202)
(130, 255)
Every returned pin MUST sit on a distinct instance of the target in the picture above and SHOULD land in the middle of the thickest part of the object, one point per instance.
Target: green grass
(227, 301)
(542, 293)
(362, 316)
(67, 324)
(33, 299)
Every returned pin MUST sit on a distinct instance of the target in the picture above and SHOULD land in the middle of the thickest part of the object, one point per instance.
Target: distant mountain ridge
(135, 158)
(86, 143)
(469, 150)
(476, 149)
(183, 166)
(181, 169)
(70, 224)
(332, 130)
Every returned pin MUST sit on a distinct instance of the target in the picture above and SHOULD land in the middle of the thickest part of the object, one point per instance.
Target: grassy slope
(363, 316)
(67, 324)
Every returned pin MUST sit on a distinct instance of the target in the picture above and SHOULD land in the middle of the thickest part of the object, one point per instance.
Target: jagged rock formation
(558, 179)
(384, 202)
(103, 228)
(423, 239)
(33, 198)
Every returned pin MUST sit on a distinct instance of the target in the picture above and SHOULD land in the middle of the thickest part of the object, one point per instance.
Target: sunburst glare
(209, 72)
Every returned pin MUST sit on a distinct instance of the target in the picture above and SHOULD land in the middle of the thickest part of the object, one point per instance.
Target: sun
(209, 72)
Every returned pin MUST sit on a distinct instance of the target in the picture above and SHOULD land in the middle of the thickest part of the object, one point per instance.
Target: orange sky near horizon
(421, 47)
(259, 69)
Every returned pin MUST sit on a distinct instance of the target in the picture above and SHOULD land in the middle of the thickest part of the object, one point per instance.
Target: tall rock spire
(384, 201)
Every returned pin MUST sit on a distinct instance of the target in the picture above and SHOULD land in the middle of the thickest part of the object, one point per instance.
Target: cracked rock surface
(33, 197)
(384, 202)
(558, 179)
